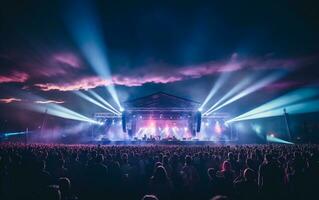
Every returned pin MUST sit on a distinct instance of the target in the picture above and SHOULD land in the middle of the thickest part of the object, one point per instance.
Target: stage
(162, 117)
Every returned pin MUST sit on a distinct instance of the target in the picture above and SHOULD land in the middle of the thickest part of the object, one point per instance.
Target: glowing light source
(217, 128)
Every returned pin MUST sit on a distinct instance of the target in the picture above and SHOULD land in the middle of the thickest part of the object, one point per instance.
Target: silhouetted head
(64, 185)
(226, 166)
(188, 160)
(220, 197)
(149, 197)
(160, 174)
(249, 174)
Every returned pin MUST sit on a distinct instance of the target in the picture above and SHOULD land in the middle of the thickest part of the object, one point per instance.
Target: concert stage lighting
(84, 26)
(51, 108)
(300, 108)
(217, 128)
(102, 100)
(273, 139)
(84, 96)
(288, 101)
(14, 133)
(219, 83)
(264, 82)
(233, 91)
(59, 111)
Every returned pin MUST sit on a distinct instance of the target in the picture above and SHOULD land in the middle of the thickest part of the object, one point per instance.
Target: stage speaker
(198, 121)
(124, 121)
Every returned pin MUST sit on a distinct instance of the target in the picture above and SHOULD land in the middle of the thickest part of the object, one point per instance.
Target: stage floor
(164, 142)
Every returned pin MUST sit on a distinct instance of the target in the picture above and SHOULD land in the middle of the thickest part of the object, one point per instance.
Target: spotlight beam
(51, 108)
(285, 100)
(85, 28)
(220, 81)
(267, 80)
(59, 111)
(234, 90)
(84, 96)
(102, 100)
(214, 90)
(277, 140)
(300, 108)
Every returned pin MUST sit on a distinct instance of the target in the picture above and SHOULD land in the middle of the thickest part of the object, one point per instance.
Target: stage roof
(161, 101)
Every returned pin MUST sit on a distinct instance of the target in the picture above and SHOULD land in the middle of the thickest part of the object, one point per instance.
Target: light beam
(281, 102)
(265, 81)
(84, 96)
(84, 26)
(233, 91)
(102, 100)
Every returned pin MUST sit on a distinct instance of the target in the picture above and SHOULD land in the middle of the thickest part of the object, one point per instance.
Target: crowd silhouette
(70, 172)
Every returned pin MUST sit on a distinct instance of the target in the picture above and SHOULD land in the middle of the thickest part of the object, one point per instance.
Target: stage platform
(164, 142)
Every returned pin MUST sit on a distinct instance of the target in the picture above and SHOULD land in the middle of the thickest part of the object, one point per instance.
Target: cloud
(68, 59)
(82, 84)
(14, 77)
(283, 85)
(49, 101)
(9, 100)
(170, 74)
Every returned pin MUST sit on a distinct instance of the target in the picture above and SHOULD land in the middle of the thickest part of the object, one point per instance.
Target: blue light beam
(84, 26)
(233, 91)
(102, 100)
(220, 81)
(285, 100)
(89, 99)
(300, 108)
(277, 140)
(265, 81)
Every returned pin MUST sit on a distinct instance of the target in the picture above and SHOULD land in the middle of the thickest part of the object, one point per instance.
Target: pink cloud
(283, 85)
(167, 74)
(67, 58)
(49, 101)
(9, 100)
(82, 84)
(14, 77)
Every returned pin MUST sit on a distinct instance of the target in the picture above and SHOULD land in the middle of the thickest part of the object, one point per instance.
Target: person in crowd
(65, 189)
(246, 186)
(160, 184)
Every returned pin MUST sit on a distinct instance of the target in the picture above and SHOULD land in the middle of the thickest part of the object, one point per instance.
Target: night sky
(179, 47)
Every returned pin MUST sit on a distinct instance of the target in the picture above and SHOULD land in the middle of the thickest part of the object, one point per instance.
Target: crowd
(70, 172)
